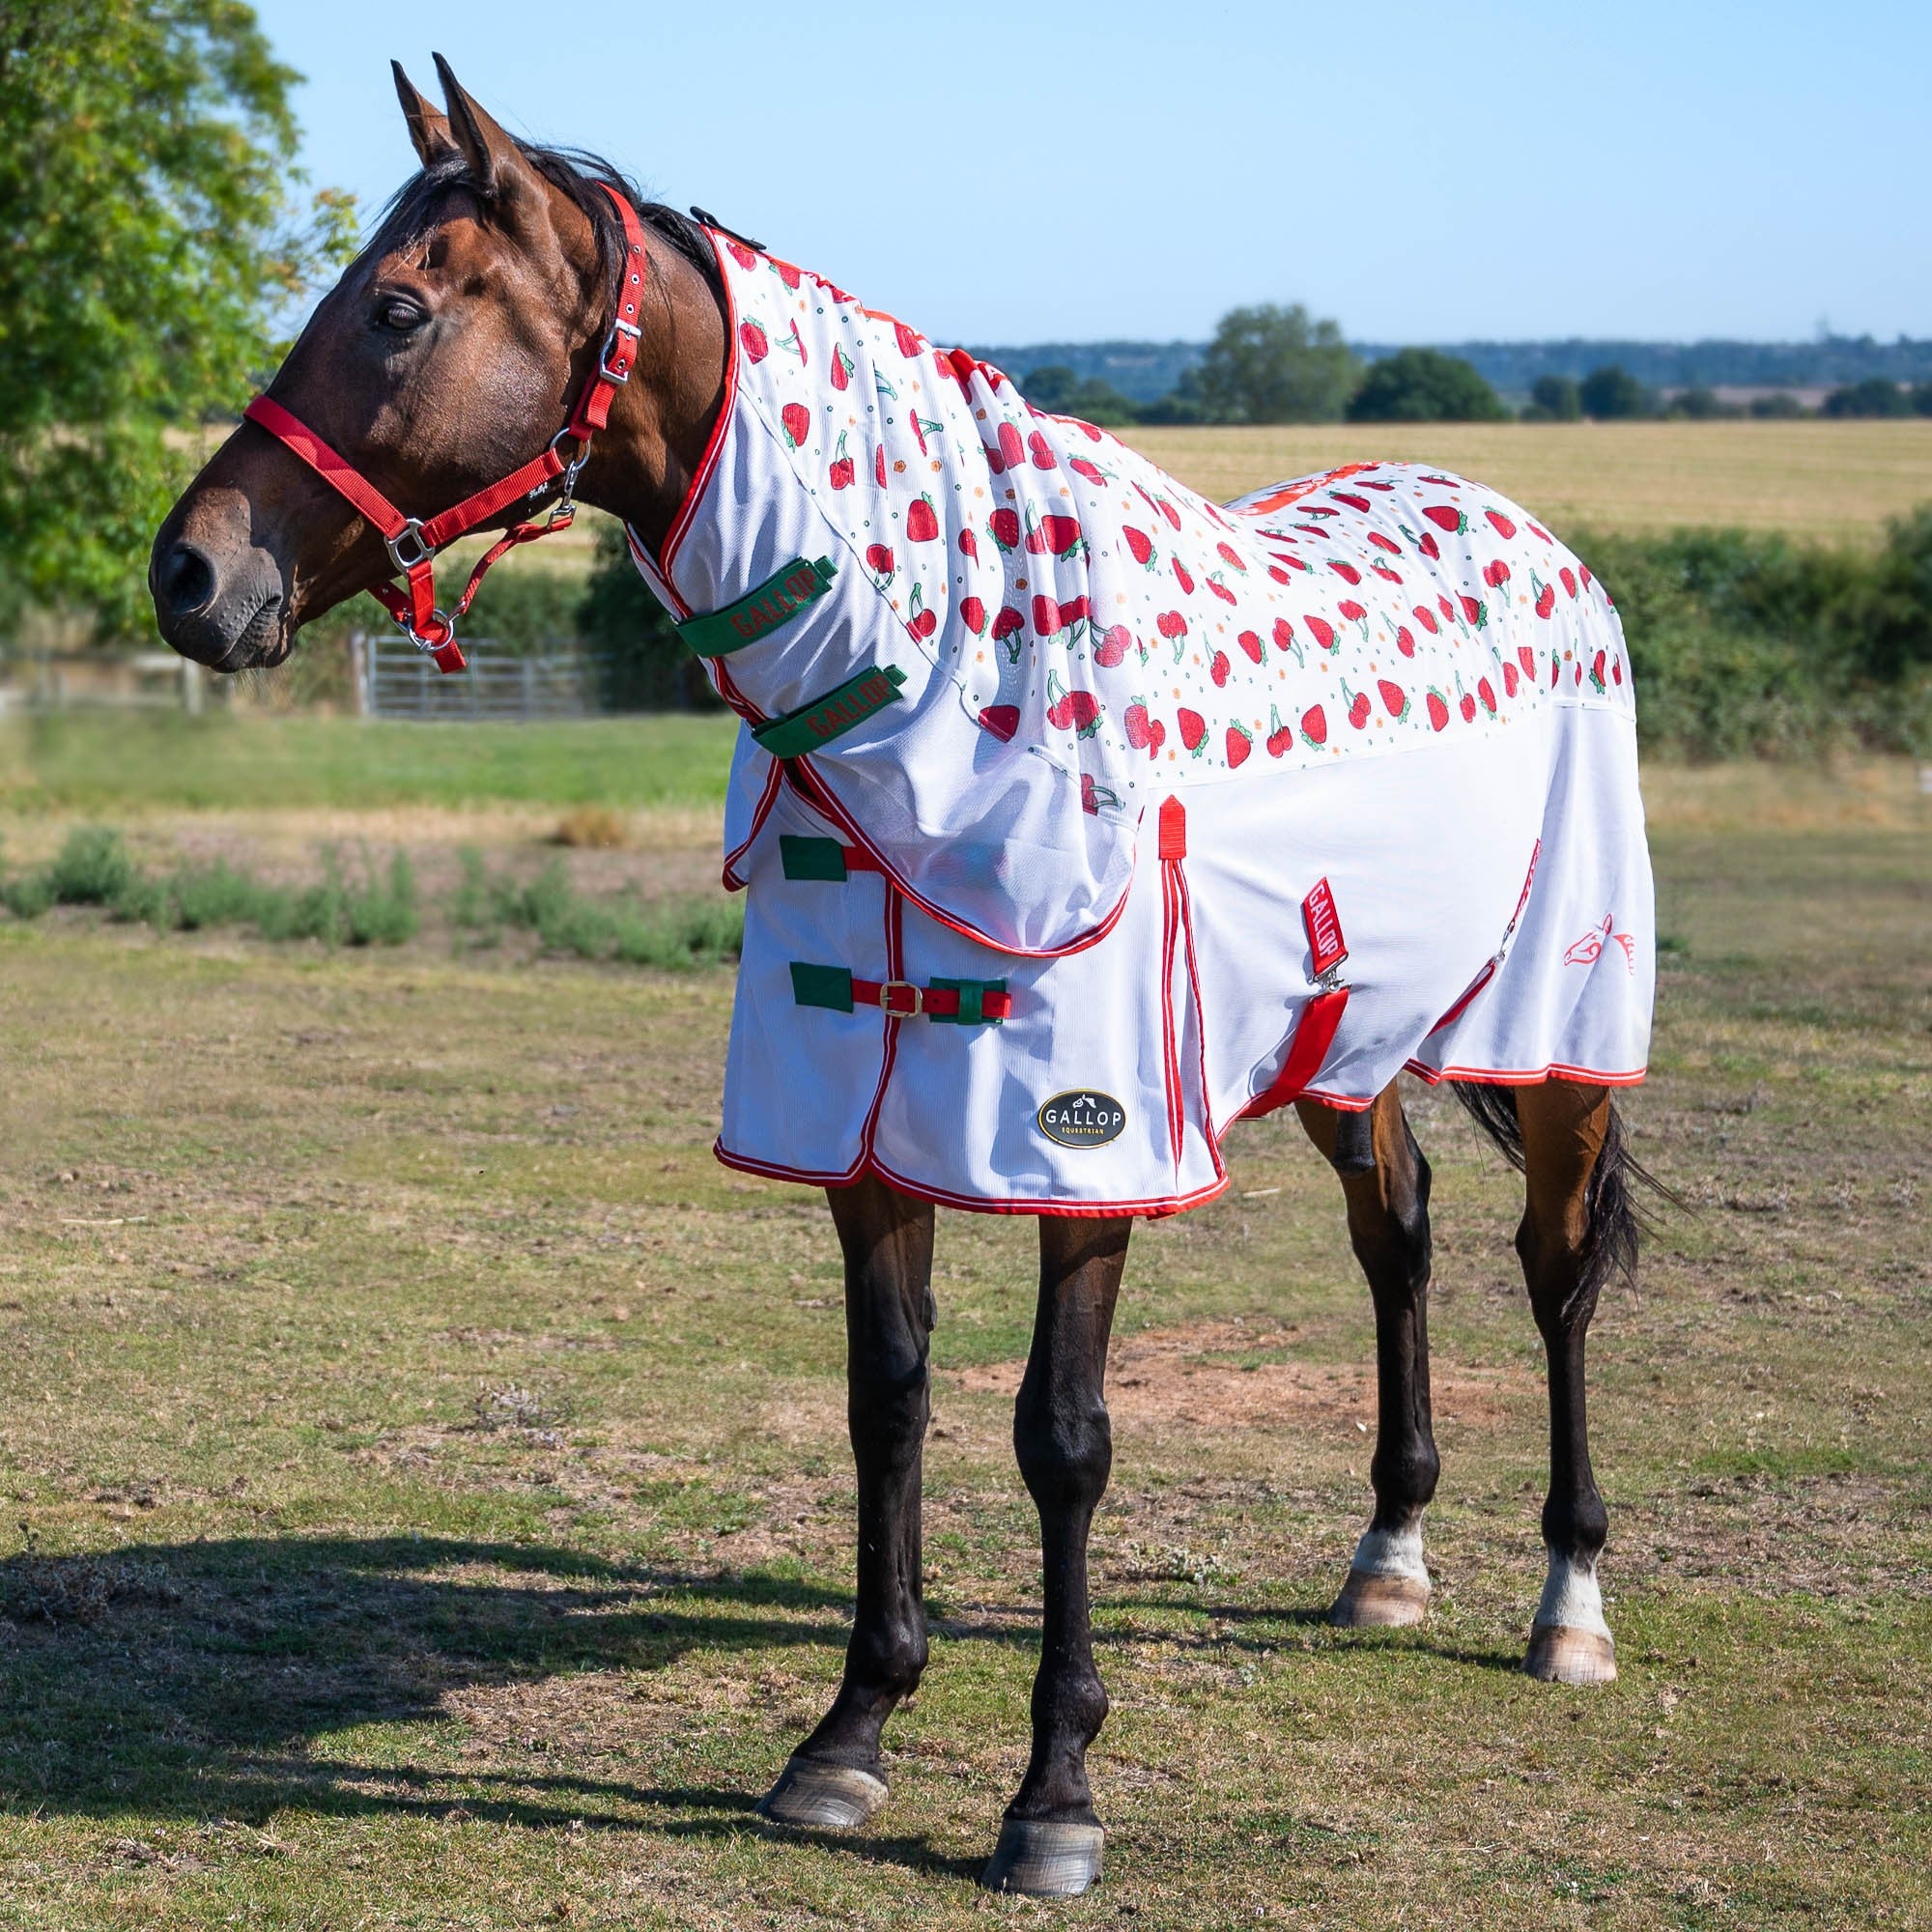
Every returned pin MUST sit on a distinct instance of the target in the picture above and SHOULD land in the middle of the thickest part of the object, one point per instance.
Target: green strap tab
(821, 986)
(830, 717)
(811, 858)
(972, 1002)
(716, 633)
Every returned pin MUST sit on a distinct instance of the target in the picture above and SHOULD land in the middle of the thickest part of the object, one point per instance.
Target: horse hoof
(1564, 1654)
(1371, 1600)
(1044, 1860)
(822, 1797)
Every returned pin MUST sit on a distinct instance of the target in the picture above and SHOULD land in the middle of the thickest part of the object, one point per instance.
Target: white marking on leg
(1571, 1597)
(1392, 1553)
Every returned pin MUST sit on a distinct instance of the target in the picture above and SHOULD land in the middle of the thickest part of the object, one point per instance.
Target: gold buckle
(912, 993)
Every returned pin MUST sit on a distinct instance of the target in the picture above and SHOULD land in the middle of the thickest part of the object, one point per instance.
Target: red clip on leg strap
(1315, 1031)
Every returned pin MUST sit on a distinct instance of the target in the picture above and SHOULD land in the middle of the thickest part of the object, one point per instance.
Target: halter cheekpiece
(414, 542)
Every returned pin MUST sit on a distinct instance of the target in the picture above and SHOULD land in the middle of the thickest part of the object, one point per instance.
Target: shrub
(645, 662)
(1425, 385)
(1557, 397)
(1612, 394)
(1875, 396)
(91, 868)
(1748, 643)
(1702, 405)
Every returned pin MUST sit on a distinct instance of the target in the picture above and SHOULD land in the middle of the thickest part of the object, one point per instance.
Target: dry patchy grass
(441, 1514)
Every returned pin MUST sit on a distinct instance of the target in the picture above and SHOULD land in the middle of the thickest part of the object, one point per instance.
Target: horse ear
(496, 166)
(429, 131)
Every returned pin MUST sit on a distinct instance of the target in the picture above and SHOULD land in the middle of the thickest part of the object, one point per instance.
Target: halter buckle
(609, 348)
(411, 533)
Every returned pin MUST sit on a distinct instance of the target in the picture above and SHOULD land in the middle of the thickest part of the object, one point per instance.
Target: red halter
(414, 542)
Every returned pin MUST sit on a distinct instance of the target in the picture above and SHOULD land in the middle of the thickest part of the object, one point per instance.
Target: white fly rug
(1061, 789)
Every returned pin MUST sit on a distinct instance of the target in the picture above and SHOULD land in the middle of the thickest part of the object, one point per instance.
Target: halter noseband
(412, 541)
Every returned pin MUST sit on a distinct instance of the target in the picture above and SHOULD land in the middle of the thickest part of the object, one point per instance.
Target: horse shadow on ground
(206, 1680)
(219, 1679)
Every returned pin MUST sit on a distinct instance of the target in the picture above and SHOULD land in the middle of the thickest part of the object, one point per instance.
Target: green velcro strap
(821, 986)
(830, 717)
(972, 1002)
(811, 858)
(716, 633)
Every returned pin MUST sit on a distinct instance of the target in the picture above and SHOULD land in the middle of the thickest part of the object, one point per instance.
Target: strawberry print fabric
(1079, 636)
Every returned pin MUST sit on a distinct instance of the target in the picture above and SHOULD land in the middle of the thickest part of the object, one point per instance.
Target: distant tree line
(1274, 365)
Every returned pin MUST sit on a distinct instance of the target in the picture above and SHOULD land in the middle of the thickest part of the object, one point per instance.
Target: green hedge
(1749, 643)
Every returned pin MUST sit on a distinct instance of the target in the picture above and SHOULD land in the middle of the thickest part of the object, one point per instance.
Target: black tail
(1615, 1218)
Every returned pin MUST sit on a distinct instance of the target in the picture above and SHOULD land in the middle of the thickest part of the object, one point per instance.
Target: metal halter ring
(427, 645)
(572, 468)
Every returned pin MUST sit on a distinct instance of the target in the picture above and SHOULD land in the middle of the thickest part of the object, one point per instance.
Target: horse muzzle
(224, 605)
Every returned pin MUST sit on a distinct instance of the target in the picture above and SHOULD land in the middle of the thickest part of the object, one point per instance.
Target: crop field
(426, 1498)
(1834, 482)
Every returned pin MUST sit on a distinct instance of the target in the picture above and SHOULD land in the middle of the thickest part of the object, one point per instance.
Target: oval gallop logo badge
(1082, 1118)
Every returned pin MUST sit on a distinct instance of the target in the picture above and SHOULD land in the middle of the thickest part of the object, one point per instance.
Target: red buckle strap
(903, 999)
(412, 542)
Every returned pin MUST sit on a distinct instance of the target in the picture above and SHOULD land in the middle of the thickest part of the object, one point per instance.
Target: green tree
(1875, 396)
(1781, 405)
(1612, 394)
(1059, 391)
(149, 244)
(1555, 399)
(1425, 385)
(1270, 365)
(1701, 404)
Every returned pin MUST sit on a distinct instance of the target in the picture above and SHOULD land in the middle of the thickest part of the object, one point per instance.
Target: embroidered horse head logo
(1588, 950)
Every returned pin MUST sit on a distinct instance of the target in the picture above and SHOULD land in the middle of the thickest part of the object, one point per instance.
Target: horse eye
(399, 316)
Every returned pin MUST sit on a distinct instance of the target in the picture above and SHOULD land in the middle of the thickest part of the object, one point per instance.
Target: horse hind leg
(836, 1777)
(1577, 1229)
(1385, 1182)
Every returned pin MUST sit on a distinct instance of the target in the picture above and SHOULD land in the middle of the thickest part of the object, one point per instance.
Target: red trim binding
(729, 876)
(870, 1167)
(1588, 1076)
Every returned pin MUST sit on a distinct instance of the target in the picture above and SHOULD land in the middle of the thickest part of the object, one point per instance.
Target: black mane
(582, 176)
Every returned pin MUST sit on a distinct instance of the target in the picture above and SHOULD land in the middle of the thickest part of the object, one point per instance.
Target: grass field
(427, 1502)
(1834, 482)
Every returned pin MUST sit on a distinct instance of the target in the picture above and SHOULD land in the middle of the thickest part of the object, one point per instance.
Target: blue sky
(1020, 172)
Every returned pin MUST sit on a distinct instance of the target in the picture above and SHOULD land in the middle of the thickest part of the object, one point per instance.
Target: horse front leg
(836, 1777)
(1385, 1181)
(1050, 1842)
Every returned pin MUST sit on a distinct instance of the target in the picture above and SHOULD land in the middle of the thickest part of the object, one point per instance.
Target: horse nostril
(188, 579)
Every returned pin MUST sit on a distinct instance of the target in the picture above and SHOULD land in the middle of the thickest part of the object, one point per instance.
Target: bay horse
(510, 286)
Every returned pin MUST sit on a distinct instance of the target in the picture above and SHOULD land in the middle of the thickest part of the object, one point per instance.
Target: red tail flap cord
(413, 543)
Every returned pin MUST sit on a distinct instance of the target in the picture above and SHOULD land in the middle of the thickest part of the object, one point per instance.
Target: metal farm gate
(394, 679)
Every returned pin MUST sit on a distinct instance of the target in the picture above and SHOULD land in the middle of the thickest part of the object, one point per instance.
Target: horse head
(446, 359)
